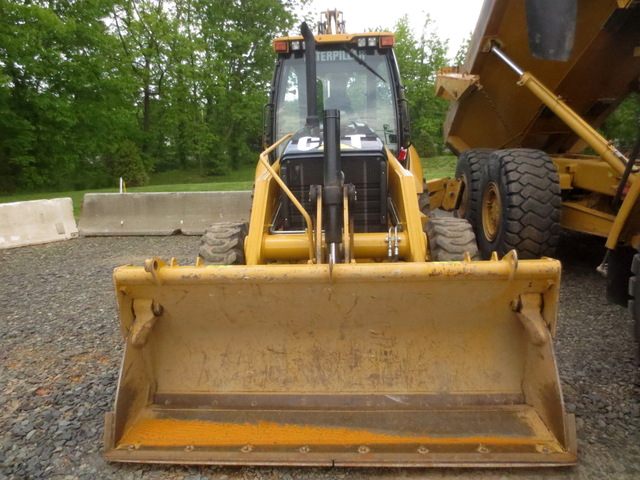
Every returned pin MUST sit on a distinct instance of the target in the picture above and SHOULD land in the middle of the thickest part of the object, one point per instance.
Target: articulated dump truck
(332, 330)
(539, 78)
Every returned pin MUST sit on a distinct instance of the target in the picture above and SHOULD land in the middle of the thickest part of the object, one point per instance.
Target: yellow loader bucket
(416, 364)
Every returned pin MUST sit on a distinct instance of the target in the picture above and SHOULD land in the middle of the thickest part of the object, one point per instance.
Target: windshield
(355, 81)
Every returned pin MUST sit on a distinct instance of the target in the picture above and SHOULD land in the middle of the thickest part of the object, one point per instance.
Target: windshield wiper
(362, 62)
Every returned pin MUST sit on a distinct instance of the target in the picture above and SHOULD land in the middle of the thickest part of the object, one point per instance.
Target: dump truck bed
(602, 70)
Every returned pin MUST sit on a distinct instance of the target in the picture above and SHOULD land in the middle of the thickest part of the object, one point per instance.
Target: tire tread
(450, 238)
(223, 244)
(472, 161)
(532, 190)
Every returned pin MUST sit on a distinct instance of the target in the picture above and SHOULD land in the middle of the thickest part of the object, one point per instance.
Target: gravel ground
(61, 348)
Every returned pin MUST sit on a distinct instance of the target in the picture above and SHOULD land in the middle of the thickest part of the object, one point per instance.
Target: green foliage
(623, 126)
(439, 167)
(461, 54)
(203, 70)
(193, 176)
(90, 91)
(62, 100)
(126, 163)
(419, 59)
(81, 83)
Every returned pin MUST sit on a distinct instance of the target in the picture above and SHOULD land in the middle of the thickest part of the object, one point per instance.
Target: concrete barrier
(189, 213)
(36, 221)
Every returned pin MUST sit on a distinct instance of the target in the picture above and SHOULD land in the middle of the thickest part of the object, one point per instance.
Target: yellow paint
(176, 433)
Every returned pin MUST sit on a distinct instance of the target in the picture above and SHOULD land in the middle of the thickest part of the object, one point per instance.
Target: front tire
(520, 204)
(450, 238)
(223, 244)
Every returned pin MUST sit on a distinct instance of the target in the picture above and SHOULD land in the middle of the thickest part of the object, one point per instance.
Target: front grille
(368, 173)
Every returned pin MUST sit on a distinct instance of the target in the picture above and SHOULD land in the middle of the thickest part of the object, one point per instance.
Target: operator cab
(356, 81)
(357, 75)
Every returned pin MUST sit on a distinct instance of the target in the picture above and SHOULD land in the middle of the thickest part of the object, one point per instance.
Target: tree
(419, 59)
(126, 163)
(184, 81)
(59, 110)
(203, 70)
(238, 58)
(623, 126)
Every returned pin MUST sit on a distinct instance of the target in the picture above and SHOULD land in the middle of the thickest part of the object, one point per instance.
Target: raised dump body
(603, 68)
(327, 332)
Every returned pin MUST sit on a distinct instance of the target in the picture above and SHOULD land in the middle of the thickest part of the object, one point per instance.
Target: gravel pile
(60, 351)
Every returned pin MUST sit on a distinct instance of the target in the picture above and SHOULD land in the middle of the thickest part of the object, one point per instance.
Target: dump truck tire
(619, 274)
(468, 171)
(520, 204)
(634, 294)
(223, 244)
(450, 238)
(424, 202)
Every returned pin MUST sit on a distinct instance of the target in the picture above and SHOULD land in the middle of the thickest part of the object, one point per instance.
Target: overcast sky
(454, 19)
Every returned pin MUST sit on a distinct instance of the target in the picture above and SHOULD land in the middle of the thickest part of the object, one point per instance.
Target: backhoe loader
(332, 330)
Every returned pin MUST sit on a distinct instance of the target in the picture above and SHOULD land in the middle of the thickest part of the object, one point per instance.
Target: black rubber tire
(468, 171)
(223, 244)
(423, 201)
(450, 238)
(524, 182)
(619, 274)
(634, 294)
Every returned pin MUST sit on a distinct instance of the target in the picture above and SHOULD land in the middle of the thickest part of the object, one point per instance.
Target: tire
(619, 275)
(520, 204)
(450, 238)
(634, 294)
(423, 201)
(223, 244)
(468, 171)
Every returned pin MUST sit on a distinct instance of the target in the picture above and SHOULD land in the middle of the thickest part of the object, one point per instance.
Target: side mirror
(551, 25)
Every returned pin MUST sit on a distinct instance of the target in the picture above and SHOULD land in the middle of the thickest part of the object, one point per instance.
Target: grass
(190, 181)
(192, 176)
(439, 167)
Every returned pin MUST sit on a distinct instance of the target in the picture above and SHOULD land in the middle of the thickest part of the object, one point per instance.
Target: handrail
(265, 163)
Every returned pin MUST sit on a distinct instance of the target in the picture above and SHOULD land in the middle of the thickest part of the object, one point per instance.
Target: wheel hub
(491, 211)
(464, 199)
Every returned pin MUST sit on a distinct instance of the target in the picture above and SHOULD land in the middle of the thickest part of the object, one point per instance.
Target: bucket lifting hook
(146, 313)
(528, 308)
